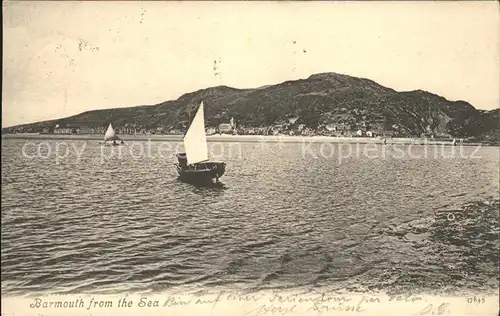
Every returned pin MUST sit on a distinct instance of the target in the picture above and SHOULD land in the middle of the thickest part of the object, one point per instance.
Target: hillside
(323, 103)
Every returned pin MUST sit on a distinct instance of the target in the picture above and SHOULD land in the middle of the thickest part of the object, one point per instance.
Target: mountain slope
(332, 100)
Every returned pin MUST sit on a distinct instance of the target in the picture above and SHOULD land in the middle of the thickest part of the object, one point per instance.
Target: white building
(293, 120)
(331, 128)
(225, 128)
(210, 130)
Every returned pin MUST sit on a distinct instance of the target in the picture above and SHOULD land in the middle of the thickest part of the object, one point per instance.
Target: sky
(64, 58)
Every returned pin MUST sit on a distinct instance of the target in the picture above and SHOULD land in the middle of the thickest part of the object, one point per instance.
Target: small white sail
(195, 140)
(110, 134)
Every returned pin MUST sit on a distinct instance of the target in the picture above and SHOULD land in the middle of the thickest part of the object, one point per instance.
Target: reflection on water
(208, 188)
(278, 219)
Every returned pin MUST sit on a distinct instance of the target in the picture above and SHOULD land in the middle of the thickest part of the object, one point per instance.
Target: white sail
(195, 140)
(110, 133)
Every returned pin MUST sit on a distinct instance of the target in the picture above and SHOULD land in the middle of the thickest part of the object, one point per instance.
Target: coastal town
(290, 127)
(223, 128)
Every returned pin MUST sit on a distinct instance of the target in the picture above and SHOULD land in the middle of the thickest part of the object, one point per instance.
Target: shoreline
(254, 138)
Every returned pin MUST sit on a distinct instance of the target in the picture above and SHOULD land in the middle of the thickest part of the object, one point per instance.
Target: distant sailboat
(111, 135)
(193, 165)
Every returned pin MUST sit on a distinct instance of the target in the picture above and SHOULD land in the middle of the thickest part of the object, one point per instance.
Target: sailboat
(111, 135)
(193, 165)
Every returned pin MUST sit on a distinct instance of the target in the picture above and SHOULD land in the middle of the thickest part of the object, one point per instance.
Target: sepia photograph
(250, 158)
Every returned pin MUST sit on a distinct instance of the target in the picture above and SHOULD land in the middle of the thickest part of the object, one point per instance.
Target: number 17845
(476, 299)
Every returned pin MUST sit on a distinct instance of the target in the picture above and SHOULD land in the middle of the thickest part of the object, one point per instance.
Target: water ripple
(280, 220)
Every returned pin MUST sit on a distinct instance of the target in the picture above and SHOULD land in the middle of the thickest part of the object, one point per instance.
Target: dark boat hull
(201, 173)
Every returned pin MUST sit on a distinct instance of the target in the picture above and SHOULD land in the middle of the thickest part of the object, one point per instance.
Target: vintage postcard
(250, 158)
